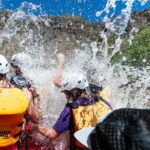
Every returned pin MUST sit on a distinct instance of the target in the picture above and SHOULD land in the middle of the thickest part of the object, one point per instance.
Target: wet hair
(17, 70)
(2, 76)
(75, 93)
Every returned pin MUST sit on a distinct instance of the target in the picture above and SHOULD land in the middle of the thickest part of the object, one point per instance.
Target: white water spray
(130, 86)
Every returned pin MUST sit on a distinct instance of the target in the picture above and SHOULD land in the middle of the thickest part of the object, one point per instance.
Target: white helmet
(75, 80)
(4, 65)
(20, 60)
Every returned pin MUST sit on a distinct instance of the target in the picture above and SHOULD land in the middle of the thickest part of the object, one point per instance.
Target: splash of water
(130, 86)
(143, 2)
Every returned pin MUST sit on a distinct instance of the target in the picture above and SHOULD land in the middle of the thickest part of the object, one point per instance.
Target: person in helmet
(82, 110)
(19, 61)
(7, 87)
(4, 69)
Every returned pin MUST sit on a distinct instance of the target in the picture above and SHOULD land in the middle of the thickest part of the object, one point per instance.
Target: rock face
(65, 33)
(142, 18)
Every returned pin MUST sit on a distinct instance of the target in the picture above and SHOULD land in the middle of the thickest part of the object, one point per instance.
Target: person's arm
(61, 126)
(49, 133)
(60, 64)
(35, 115)
(33, 109)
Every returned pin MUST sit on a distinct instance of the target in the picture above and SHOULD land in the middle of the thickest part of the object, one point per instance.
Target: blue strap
(108, 104)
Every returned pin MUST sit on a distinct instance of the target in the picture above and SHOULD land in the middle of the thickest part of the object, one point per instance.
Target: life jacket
(87, 115)
(19, 81)
(13, 104)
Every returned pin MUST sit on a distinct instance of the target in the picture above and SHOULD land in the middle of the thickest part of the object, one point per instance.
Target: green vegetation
(137, 54)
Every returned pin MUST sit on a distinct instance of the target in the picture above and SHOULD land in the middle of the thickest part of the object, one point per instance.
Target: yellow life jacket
(13, 104)
(87, 115)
